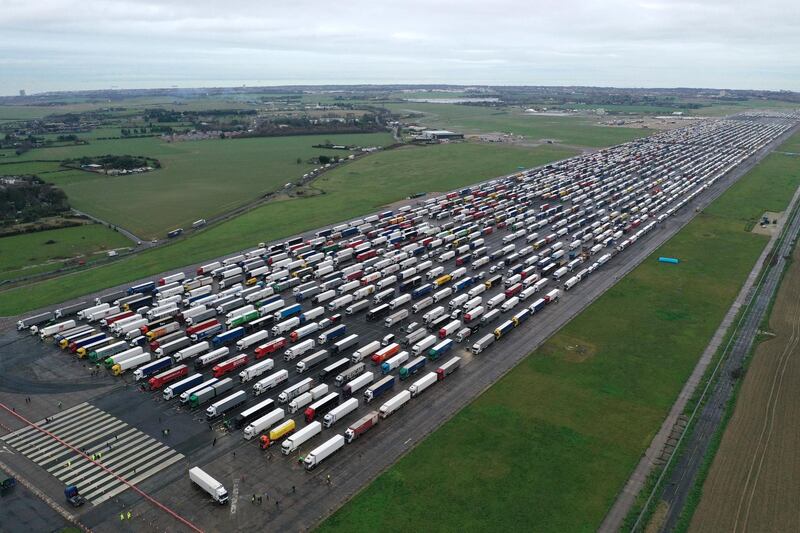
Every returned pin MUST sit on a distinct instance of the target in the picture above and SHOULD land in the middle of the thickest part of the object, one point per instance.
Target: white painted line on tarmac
(235, 496)
(137, 479)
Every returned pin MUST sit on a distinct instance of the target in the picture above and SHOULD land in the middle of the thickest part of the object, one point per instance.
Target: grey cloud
(63, 44)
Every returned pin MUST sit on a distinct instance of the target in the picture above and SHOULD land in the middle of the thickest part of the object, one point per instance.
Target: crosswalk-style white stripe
(118, 449)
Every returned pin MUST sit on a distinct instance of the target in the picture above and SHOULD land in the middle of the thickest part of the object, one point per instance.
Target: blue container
(671, 260)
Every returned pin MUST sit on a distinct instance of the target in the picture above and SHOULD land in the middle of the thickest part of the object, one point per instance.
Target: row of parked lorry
(321, 326)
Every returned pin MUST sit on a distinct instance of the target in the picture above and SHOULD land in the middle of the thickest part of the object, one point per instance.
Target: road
(682, 478)
(138, 241)
(627, 496)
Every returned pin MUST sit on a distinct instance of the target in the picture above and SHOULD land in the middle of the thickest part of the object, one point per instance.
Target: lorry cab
(387, 340)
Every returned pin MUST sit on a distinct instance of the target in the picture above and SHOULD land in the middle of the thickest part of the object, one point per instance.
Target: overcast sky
(92, 44)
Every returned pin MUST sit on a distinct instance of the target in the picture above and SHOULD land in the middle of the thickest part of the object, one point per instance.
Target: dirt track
(752, 484)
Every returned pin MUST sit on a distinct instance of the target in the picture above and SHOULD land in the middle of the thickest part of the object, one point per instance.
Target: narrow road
(136, 240)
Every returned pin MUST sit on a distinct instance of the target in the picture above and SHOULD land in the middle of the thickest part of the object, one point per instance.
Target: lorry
(349, 373)
(168, 376)
(448, 368)
(440, 349)
(412, 367)
(311, 361)
(252, 339)
(229, 365)
(376, 389)
(394, 403)
(186, 395)
(208, 484)
(270, 347)
(365, 351)
(344, 344)
(298, 349)
(357, 383)
(422, 383)
(295, 390)
(253, 371)
(251, 413)
(321, 406)
(394, 362)
(183, 385)
(271, 381)
(361, 426)
(225, 404)
(191, 351)
(300, 437)
(385, 353)
(212, 391)
(130, 362)
(281, 430)
(339, 412)
(260, 424)
(323, 451)
(151, 368)
(423, 345)
(332, 334)
(211, 357)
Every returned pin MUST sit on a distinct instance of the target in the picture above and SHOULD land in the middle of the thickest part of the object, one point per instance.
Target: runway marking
(114, 445)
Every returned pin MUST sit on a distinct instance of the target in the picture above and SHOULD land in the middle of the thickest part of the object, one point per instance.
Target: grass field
(351, 190)
(581, 131)
(33, 253)
(551, 444)
(199, 179)
(762, 434)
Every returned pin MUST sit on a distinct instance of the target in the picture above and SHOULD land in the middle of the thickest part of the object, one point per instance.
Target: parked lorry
(262, 423)
(183, 385)
(210, 485)
(212, 391)
(394, 362)
(361, 426)
(186, 395)
(339, 412)
(300, 437)
(251, 413)
(270, 382)
(321, 406)
(377, 389)
(311, 361)
(281, 430)
(295, 390)
(422, 383)
(354, 385)
(225, 404)
(211, 357)
(129, 362)
(394, 403)
(412, 367)
(255, 370)
(323, 451)
(151, 368)
(168, 376)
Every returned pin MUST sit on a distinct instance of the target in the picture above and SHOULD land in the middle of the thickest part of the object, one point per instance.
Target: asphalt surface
(273, 475)
(683, 476)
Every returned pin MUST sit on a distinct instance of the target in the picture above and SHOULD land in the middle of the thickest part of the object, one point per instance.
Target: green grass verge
(43, 251)
(349, 191)
(551, 444)
(199, 179)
